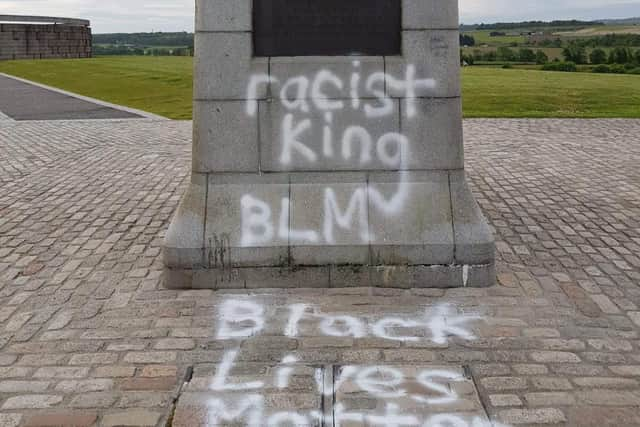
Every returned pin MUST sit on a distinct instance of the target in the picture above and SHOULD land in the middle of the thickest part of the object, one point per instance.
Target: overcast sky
(177, 15)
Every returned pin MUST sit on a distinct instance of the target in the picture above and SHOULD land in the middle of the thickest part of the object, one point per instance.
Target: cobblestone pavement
(88, 335)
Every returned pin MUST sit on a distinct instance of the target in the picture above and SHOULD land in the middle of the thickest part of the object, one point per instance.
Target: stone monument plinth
(328, 150)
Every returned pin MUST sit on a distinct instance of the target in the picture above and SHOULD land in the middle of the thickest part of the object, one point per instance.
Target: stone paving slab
(351, 395)
(89, 337)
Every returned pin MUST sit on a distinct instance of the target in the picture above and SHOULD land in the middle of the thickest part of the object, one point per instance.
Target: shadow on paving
(23, 101)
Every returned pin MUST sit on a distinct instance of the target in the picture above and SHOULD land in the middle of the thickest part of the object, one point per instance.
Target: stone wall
(32, 41)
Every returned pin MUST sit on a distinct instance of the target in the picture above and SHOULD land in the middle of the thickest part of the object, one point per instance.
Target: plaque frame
(303, 33)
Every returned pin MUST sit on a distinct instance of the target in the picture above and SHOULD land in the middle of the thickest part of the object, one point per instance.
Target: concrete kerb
(140, 113)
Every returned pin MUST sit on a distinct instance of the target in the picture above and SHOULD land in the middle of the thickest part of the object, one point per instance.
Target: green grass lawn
(162, 85)
(491, 92)
(484, 37)
(600, 30)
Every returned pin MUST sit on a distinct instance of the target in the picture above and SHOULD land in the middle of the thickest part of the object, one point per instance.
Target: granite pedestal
(328, 171)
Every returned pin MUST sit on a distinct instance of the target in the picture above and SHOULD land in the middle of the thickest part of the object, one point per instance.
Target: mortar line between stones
(289, 261)
(384, 71)
(205, 257)
(259, 141)
(333, 369)
(367, 186)
(469, 373)
(323, 398)
(269, 96)
(453, 222)
(339, 171)
(188, 375)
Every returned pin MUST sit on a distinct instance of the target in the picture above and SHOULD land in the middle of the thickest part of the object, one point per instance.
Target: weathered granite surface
(328, 170)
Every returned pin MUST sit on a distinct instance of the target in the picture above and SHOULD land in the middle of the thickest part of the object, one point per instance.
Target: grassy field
(601, 31)
(162, 85)
(490, 92)
(484, 37)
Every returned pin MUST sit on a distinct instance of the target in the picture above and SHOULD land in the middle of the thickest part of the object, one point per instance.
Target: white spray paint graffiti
(251, 411)
(243, 318)
(410, 85)
(301, 95)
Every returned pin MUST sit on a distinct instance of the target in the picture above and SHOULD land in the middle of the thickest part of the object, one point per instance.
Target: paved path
(88, 336)
(24, 101)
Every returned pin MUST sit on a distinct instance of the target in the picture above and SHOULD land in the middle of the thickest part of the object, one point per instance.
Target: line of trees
(154, 44)
(620, 60)
(574, 53)
(577, 53)
(145, 39)
(536, 24)
(506, 54)
(138, 51)
(610, 40)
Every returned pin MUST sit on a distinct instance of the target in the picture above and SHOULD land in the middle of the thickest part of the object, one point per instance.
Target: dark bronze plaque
(326, 27)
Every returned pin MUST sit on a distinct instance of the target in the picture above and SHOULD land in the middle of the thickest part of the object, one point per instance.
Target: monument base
(333, 276)
(374, 229)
